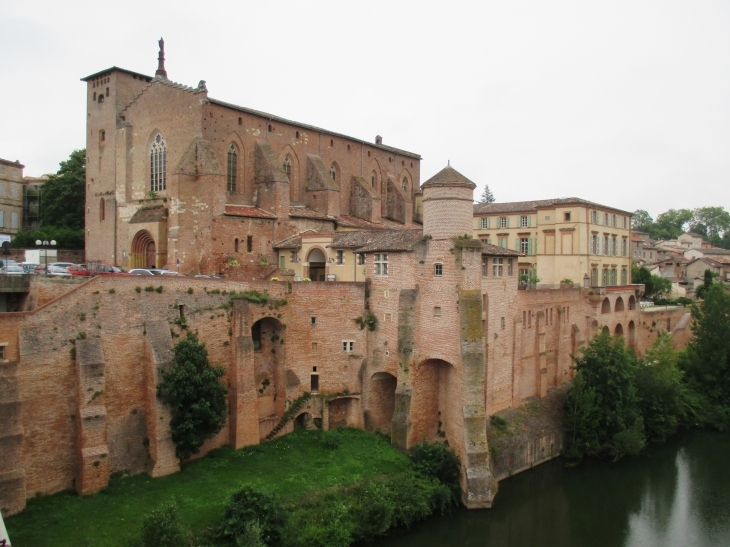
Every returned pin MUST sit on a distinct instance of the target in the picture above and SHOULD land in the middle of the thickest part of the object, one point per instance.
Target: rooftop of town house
(448, 176)
(713, 251)
(533, 206)
(15, 163)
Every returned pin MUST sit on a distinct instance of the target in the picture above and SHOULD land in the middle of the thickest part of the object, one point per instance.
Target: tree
(487, 195)
(193, 390)
(708, 280)
(607, 419)
(710, 221)
(654, 285)
(641, 221)
(63, 195)
(670, 225)
(66, 238)
(707, 357)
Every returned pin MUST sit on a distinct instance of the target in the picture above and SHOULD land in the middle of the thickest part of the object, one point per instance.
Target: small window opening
(94, 95)
(107, 91)
(567, 216)
(314, 385)
(348, 147)
(314, 347)
(390, 159)
(348, 346)
(438, 269)
(240, 120)
(297, 134)
(271, 128)
(101, 99)
(437, 311)
(235, 245)
(181, 308)
(102, 135)
(368, 153)
(411, 164)
(503, 323)
(249, 244)
(2, 352)
(314, 321)
(256, 336)
(332, 142)
(314, 369)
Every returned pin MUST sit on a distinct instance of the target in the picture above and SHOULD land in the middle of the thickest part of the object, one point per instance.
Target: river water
(677, 495)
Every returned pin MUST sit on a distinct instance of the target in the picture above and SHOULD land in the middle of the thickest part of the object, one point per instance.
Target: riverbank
(291, 467)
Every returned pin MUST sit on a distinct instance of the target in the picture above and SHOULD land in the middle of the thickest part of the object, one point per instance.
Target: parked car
(14, 270)
(172, 274)
(59, 268)
(107, 269)
(4, 263)
(79, 270)
(140, 271)
(30, 267)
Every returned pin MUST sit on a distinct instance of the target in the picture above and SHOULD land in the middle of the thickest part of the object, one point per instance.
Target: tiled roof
(102, 72)
(713, 251)
(152, 214)
(279, 119)
(353, 222)
(247, 211)
(353, 240)
(306, 212)
(448, 176)
(292, 242)
(392, 240)
(531, 206)
(496, 250)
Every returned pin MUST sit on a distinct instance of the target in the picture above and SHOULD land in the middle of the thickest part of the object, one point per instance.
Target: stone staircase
(290, 413)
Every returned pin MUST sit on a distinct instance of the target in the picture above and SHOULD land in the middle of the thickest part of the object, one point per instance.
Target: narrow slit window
(249, 244)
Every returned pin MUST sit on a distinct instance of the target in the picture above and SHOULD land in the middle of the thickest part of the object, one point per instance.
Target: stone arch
(374, 168)
(269, 366)
(304, 421)
(606, 306)
(294, 173)
(605, 329)
(619, 306)
(619, 330)
(343, 412)
(632, 302)
(381, 397)
(631, 335)
(144, 252)
(435, 402)
(317, 264)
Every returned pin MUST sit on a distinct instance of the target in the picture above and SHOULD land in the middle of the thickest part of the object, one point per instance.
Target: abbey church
(176, 177)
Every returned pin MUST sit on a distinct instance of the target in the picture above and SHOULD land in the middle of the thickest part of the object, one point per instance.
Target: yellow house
(567, 239)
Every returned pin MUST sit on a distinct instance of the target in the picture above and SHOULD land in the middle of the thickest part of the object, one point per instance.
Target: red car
(79, 270)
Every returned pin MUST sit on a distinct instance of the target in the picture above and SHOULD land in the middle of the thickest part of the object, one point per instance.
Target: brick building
(175, 175)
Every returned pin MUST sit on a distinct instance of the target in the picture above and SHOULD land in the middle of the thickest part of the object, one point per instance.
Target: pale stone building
(563, 239)
(11, 197)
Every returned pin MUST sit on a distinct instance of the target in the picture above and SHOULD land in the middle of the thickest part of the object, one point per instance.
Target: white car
(13, 270)
(59, 268)
(140, 271)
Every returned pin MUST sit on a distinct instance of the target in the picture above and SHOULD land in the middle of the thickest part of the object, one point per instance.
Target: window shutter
(489, 242)
(529, 221)
(529, 246)
(535, 246)
(517, 244)
(507, 220)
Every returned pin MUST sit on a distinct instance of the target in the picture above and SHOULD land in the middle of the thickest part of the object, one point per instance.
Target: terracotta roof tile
(292, 242)
(306, 212)
(448, 176)
(247, 211)
(531, 206)
(353, 222)
(151, 214)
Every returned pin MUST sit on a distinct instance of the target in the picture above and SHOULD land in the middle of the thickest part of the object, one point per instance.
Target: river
(676, 495)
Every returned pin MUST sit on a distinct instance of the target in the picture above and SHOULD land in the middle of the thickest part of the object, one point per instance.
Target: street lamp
(45, 245)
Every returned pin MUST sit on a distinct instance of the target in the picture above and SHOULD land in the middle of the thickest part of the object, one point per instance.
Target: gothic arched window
(158, 164)
(232, 173)
(286, 166)
(405, 184)
(333, 172)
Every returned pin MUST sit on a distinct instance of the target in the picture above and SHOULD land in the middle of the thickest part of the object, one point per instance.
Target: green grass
(290, 466)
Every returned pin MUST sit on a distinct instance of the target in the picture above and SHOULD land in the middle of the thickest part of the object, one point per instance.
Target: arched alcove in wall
(619, 304)
(606, 306)
(269, 360)
(381, 397)
(619, 330)
(435, 405)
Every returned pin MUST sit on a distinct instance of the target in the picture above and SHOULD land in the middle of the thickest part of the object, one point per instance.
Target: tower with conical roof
(448, 199)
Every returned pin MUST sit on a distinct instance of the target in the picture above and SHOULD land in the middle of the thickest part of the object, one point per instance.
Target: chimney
(378, 139)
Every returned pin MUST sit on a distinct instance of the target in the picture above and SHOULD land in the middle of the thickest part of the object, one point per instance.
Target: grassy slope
(289, 466)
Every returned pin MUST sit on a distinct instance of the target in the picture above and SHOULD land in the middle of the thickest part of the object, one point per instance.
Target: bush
(193, 390)
(250, 509)
(437, 461)
(163, 528)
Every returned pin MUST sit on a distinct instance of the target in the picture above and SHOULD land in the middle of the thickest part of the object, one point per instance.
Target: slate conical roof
(450, 177)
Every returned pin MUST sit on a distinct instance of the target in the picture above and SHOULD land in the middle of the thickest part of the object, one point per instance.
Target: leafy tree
(63, 195)
(641, 221)
(708, 280)
(66, 238)
(607, 418)
(193, 389)
(162, 528)
(670, 225)
(251, 512)
(664, 399)
(710, 221)
(655, 285)
(707, 357)
(437, 461)
(487, 195)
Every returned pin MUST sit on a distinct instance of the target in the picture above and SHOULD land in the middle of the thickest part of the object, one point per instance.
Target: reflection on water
(678, 494)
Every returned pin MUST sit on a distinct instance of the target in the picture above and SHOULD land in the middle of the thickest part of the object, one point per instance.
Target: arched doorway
(435, 402)
(606, 306)
(619, 304)
(632, 302)
(632, 334)
(619, 330)
(317, 261)
(269, 361)
(144, 251)
(381, 396)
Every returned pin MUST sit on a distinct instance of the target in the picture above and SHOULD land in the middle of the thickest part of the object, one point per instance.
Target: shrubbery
(254, 516)
(163, 528)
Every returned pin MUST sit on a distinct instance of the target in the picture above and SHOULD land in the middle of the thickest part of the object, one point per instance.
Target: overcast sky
(626, 103)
